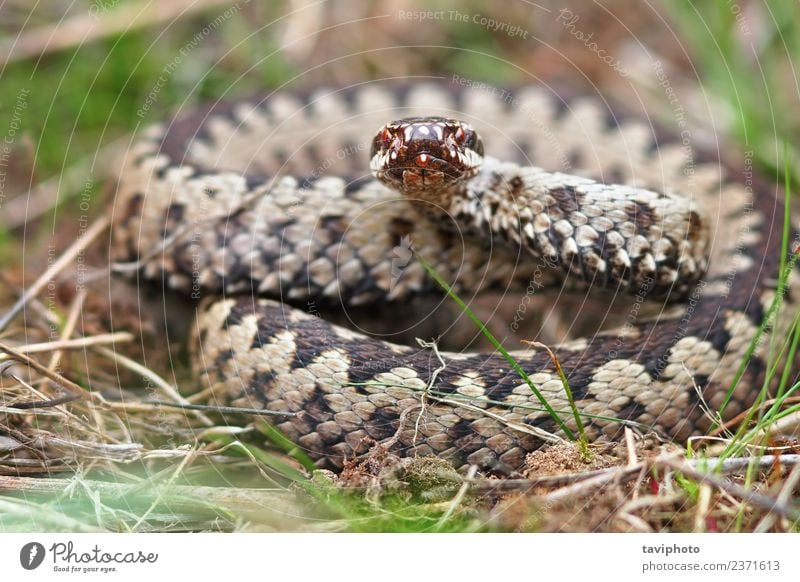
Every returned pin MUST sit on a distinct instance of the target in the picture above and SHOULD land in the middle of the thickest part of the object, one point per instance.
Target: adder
(269, 209)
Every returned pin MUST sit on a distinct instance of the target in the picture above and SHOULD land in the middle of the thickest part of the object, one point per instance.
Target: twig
(708, 412)
(223, 409)
(747, 446)
(73, 344)
(442, 366)
(69, 327)
(24, 411)
(74, 390)
(742, 415)
(531, 430)
(45, 402)
(401, 422)
(119, 451)
(785, 425)
(751, 497)
(591, 485)
(486, 486)
(784, 497)
(733, 464)
(97, 228)
(729, 465)
(630, 447)
(85, 28)
(703, 508)
(458, 498)
(168, 389)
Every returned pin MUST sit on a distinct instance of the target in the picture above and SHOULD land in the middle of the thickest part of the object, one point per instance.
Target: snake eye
(386, 138)
(383, 141)
(475, 143)
(468, 139)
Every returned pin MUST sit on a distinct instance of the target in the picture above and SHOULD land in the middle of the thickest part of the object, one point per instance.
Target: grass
(509, 358)
(747, 63)
(92, 93)
(784, 352)
(753, 434)
(82, 98)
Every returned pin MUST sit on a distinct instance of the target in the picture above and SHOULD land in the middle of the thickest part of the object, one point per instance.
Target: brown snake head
(419, 155)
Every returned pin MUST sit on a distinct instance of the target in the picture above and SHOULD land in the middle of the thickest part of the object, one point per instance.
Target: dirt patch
(565, 458)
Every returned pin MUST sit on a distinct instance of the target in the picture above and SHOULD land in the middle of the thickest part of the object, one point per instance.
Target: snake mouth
(428, 171)
(424, 171)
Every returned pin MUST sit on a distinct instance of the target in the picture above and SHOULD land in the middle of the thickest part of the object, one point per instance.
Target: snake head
(424, 154)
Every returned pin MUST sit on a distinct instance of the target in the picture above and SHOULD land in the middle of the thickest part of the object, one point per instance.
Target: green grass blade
(509, 358)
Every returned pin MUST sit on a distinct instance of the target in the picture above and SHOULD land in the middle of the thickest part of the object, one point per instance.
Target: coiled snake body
(269, 205)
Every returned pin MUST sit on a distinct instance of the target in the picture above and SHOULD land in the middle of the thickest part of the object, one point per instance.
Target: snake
(263, 212)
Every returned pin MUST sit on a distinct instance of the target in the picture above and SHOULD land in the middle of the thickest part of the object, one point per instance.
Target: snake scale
(266, 209)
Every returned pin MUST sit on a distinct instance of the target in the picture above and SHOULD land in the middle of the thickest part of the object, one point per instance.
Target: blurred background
(78, 76)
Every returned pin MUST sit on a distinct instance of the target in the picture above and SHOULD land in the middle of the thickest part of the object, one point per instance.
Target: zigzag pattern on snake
(268, 205)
